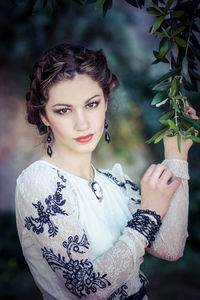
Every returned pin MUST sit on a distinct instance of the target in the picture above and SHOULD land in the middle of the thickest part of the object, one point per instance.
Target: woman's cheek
(59, 128)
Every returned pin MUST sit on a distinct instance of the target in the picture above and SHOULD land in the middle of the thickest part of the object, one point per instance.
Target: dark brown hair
(65, 61)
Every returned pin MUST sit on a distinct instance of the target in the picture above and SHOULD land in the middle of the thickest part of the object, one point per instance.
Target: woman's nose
(81, 122)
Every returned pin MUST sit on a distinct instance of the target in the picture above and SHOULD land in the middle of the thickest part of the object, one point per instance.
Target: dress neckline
(67, 172)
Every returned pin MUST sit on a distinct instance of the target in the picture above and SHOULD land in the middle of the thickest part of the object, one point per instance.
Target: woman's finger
(191, 111)
(166, 176)
(149, 171)
(157, 172)
(194, 117)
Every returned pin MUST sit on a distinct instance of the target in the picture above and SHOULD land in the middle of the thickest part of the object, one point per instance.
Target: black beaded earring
(107, 135)
(49, 139)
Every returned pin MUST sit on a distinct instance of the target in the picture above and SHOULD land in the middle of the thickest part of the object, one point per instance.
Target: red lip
(84, 139)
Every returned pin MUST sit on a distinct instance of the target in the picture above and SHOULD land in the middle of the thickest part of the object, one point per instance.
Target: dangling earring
(107, 135)
(49, 139)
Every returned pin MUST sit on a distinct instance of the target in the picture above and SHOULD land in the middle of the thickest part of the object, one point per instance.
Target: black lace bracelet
(145, 225)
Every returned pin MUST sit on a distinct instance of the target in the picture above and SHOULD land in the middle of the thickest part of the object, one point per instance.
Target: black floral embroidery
(122, 184)
(61, 176)
(53, 203)
(119, 292)
(110, 176)
(132, 184)
(80, 277)
(134, 188)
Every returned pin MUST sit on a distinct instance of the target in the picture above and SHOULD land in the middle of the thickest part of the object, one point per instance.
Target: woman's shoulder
(38, 173)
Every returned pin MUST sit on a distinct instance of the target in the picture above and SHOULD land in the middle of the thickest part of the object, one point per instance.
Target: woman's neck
(79, 165)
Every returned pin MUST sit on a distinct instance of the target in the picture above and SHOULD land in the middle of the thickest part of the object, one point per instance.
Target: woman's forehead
(80, 88)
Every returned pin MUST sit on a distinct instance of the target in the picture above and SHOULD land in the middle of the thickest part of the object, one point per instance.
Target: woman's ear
(44, 119)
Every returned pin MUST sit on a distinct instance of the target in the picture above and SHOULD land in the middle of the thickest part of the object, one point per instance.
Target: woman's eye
(62, 111)
(93, 104)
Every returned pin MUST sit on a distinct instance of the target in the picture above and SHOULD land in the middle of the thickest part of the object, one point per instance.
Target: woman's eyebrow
(69, 105)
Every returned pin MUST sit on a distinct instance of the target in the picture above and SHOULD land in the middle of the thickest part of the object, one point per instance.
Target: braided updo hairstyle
(65, 61)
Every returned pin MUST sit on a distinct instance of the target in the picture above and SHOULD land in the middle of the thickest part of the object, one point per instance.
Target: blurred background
(124, 37)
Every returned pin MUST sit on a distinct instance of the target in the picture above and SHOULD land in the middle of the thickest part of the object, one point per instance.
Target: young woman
(84, 231)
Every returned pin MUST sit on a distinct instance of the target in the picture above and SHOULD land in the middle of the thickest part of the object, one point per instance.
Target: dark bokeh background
(123, 35)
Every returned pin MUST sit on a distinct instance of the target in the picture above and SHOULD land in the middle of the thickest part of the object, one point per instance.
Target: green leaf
(156, 61)
(157, 134)
(173, 88)
(155, 53)
(134, 3)
(160, 33)
(159, 97)
(178, 30)
(164, 60)
(185, 124)
(99, 3)
(193, 122)
(167, 115)
(168, 5)
(157, 8)
(175, 106)
(167, 34)
(162, 102)
(174, 49)
(177, 13)
(163, 47)
(164, 122)
(166, 76)
(152, 11)
(158, 139)
(180, 97)
(189, 130)
(173, 125)
(162, 86)
(181, 42)
(157, 24)
(179, 142)
(185, 65)
(195, 139)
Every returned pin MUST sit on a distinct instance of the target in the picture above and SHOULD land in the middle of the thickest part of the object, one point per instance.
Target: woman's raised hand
(157, 189)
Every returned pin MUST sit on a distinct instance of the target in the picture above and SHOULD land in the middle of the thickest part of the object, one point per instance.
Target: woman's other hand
(157, 189)
(170, 143)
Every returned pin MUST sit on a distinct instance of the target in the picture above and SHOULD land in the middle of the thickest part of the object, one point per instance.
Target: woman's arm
(170, 240)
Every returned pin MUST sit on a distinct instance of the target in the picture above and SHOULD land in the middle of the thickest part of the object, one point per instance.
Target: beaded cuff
(145, 225)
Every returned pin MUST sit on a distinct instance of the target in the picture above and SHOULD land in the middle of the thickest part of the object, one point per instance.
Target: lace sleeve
(47, 219)
(170, 240)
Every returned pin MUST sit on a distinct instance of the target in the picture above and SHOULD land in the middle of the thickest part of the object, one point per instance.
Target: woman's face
(75, 112)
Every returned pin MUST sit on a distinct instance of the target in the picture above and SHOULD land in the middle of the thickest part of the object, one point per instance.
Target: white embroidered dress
(76, 246)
